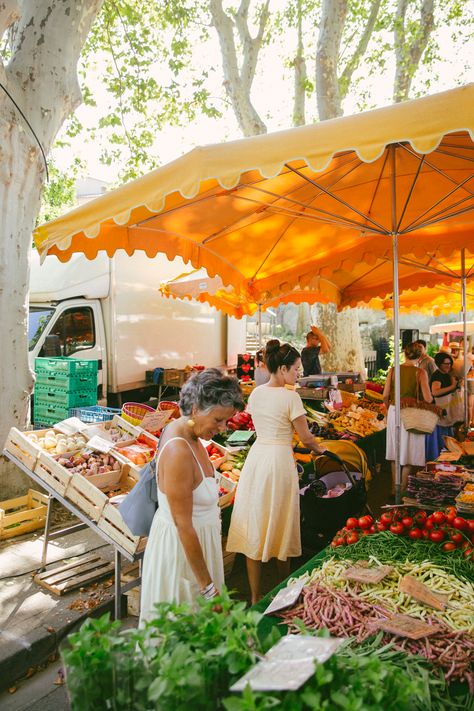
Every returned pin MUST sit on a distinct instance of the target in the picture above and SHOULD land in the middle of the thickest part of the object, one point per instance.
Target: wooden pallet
(23, 514)
(85, 570)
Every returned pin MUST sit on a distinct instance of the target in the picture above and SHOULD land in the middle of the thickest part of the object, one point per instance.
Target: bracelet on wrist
(206, 588)
(210, 593)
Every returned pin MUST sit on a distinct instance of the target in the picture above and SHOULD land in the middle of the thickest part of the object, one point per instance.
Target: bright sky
(272, 96)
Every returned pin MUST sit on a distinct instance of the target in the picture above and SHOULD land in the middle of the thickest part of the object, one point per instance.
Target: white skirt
(412, 446)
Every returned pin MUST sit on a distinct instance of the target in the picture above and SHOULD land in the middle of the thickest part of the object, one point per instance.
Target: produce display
(357, 420)
(90, 463)
(240, 421)
(465, 500)
(140, 451)
(437, 484)
(56, 443)
(233, 464)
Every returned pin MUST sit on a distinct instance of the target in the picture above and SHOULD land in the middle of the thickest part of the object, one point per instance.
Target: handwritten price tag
(155, 421)
(285, 597)
(406, 626)
(372, 576)
(70, 426)
(100, 444)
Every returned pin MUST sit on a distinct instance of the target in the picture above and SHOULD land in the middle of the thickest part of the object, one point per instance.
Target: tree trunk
(333, 17)
(41, 78)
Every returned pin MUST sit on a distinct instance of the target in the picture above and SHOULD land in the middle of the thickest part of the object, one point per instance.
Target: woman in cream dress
(183, 557)
(265, 521)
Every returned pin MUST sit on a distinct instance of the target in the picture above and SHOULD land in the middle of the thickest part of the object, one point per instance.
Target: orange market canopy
(272, 212)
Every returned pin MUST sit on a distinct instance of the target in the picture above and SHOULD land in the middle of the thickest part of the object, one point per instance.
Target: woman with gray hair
(183, 557)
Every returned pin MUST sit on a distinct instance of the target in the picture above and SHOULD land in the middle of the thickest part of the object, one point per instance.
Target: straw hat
(454, 345)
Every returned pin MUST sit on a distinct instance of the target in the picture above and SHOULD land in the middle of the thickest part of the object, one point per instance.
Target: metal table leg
(118, 584)
(47, 525)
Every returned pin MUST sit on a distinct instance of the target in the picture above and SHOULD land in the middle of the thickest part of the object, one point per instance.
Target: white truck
(111, 310)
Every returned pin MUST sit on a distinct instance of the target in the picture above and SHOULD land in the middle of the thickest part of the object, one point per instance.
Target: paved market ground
(34, 622)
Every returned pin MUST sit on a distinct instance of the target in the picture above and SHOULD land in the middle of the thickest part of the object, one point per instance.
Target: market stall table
(119, 551)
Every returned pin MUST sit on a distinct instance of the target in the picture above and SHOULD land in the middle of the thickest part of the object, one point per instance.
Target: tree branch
(237, 83)
(300, 75)
(9, 13)
(408, 53)
(346, 76)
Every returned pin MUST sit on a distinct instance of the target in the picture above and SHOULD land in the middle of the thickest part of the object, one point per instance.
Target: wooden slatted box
(52, 473)
(112, 523)
(23, 514)
(19, 444)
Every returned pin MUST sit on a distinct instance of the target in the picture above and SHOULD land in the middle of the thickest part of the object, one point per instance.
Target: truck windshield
(38, 319)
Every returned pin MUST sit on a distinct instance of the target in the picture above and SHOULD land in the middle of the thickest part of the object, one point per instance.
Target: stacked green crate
(63, 383)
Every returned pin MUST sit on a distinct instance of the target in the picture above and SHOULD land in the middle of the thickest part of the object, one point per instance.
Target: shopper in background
(413, 382)
(265, 521)
(443, 384)
(183, 556)
(426, 362)
(262, 374)
(316, 344)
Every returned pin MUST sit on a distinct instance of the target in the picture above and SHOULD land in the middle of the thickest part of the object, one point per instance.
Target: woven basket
(134, 412)
(418, 421)
(168, 405)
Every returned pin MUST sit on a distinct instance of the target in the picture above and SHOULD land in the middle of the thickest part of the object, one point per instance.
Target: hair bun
(272, 346)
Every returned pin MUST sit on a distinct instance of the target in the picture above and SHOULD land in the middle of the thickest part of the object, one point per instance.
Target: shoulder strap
(173, 439)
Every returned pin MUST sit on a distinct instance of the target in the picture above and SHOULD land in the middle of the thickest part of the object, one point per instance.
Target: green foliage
(184, 658)
(59, 193)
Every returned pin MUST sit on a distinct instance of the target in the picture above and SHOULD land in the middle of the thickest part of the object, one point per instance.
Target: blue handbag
(140, 505)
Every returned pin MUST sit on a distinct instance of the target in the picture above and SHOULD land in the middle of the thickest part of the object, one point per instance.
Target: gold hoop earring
(191, 422)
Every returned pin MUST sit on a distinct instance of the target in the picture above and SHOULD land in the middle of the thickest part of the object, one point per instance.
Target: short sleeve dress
(265, 521)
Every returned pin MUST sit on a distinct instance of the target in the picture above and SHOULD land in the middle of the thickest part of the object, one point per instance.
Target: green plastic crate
(78, 381)
(70, 366)
(64, 397)
(48, 413)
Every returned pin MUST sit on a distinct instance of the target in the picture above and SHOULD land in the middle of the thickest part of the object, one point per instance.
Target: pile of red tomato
(444, 527)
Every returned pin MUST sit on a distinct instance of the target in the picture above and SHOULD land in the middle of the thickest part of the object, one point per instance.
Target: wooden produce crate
(89, 493)
(128, 430)
(23, 514)
(112, 523)
(23, 448)
(229, 558)
(175, 377)
(52, 473)
(352, 387)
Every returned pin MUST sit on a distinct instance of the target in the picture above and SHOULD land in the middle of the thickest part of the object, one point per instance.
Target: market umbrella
(275, 210)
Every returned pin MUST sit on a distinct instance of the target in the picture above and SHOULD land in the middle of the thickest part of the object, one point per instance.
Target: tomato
(470, 525)
(468, 552)
(397, 528)
(352, 537)
(439, 517)
(372, 529)
(366, 521)
(386, 518)
(420, 518)
(436, 536)
(407, 521)
(450, 510)
(352, 523)
(457, 537)
(415, 534)
(429, 523)
(339, 541)
(365, 532)
(460, 523)
(449, 546)
(426, 533)
(381, 527)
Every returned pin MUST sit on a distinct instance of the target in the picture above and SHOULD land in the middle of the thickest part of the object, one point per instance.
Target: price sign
(288, 664)
(155, 421)
(285, 597)
(362, 574)
(421, 592)
(70, 426)
(100, 444)
(407, 626)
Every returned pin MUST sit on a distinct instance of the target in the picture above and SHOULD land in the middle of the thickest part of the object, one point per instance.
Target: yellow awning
(274, 212)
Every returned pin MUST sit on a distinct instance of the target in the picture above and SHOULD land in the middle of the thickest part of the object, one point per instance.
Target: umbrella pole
(396, 328)
(464, 324)
(396, 367)
(259, 321)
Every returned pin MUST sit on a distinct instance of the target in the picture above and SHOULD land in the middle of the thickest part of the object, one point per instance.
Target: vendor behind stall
(316, 344)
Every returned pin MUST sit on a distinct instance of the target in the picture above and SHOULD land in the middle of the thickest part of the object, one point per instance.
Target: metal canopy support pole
(118, 584)
(464, 324)
(396, 328)
(259, 321)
